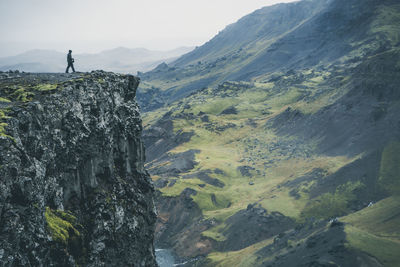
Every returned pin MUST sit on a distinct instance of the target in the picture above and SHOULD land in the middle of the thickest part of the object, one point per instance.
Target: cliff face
(73, 188)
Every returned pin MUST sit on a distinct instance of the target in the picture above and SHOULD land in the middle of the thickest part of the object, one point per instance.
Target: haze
(95, 25)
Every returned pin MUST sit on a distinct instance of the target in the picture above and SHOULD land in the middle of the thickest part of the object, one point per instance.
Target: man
(70, 61)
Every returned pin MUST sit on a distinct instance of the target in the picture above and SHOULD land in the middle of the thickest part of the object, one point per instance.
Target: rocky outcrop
(73, 187)
(180, 224)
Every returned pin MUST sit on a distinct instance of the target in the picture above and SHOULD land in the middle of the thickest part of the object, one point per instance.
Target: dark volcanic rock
(160, 183)
(160, 138)
(205, 177)
(252, 225)
(173, 164)
(73, 188)
(230, 110)
(180, 224)
(245, 170)
(205, 118)
(325, 247)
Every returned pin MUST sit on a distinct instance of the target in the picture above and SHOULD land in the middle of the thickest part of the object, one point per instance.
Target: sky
(90, 26)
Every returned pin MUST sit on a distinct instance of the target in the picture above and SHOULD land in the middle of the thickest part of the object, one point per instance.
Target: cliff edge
(73, 188)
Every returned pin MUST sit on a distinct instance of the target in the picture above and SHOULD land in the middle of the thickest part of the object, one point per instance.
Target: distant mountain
(120, 59)
(307, 33)
(255, 31)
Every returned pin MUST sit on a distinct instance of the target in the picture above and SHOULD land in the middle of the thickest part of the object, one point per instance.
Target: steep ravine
(73, 188)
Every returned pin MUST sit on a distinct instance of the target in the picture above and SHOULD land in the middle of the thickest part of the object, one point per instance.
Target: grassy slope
(376, 231)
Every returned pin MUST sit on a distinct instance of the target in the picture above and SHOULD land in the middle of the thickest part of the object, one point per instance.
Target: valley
(270, 160)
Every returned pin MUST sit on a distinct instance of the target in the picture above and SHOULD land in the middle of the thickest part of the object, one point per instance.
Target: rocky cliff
(73, 188)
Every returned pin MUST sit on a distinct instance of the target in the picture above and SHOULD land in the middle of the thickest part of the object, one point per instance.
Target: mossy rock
(61, 225)
(3, 123)
(45, 87)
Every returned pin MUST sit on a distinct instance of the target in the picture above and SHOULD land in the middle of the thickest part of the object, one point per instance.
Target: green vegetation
(61, 225)
(25, 92)
(45, 87)
(375, 230)
(385, 250)
(381, 219)
(387, 22)
(216, 233)
(3, 123)
(16, 93)
(334, 204)
(22, 94)
(244, 257)
(389, 177)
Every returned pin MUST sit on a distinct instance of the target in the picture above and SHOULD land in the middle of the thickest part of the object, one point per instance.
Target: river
(165, 258)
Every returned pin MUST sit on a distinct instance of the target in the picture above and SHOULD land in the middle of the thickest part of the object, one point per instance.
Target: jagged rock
(173, 164)
(245, 170)
(205, 177)
(181, 218)
(160, 183)
(161, 138)
(73, 188)
(252, 225)
(230, 110)
(205, 118)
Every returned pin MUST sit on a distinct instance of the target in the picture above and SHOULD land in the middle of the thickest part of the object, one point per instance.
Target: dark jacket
(69, 58)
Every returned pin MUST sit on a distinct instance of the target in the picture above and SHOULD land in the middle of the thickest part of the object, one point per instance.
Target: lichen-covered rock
(73, 188)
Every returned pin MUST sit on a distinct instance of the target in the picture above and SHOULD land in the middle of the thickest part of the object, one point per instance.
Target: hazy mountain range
(121, 59)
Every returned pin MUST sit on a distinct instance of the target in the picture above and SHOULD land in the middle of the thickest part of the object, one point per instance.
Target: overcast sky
(95, 25)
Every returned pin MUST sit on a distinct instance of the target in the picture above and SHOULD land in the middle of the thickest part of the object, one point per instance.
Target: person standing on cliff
(70, 61)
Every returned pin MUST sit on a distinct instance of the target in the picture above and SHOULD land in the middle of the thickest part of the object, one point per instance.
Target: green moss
(61, 225)
(26, 92)
(101, 80)
(45, 87)
(21, 94)
(3, 123)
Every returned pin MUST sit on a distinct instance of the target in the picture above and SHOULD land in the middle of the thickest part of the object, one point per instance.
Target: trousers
(70, 65)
